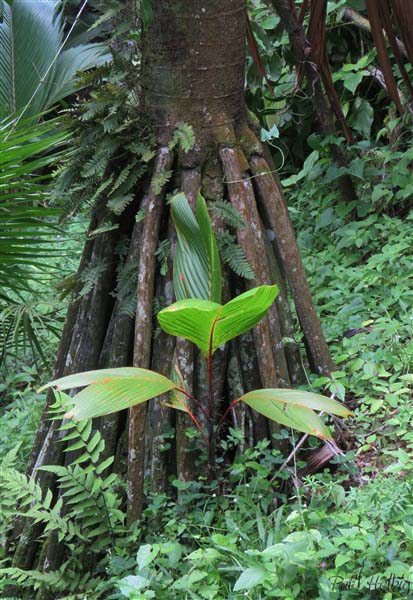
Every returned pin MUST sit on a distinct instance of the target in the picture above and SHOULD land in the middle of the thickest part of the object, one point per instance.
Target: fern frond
(117, 204)
(120, 179)
(233, 255)
(183, 137)
(140, 215)
(163, 251)
(90, 276)
(228, 213)
(159, 181)
(127, 279)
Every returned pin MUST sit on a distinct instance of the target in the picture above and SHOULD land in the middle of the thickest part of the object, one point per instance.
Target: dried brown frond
(376, 14)
(317, 37)
(256, 56)
(403, 15)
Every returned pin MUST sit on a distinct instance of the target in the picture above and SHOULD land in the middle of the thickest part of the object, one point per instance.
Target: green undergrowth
(20, 410)
(249, 537)
(247, 541)
(358, 257)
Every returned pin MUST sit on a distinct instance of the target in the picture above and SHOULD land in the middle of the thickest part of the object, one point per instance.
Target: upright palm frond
(28, 228)
(32, 59)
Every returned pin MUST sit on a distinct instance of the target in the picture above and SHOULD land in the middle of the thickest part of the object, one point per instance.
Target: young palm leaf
(34, 69)
(295, 408)
(111, 390)
(209, 324)
(196, 267)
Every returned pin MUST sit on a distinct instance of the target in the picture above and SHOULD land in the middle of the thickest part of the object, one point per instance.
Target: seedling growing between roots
(203, 320)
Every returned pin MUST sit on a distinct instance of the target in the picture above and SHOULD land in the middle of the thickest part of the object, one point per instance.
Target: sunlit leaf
(191, 319)
(295, 408)
(196, 268)
(209, 325)
(242, 313)
(111, 390)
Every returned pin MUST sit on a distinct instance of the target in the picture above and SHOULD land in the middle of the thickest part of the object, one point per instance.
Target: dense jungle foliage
(268, 525)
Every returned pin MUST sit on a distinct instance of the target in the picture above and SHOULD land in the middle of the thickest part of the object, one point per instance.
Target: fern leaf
(233, 255)
(117, 204)
(160, 180)
(140, 215)
(163, 252)
(184, 137)
(228, 213)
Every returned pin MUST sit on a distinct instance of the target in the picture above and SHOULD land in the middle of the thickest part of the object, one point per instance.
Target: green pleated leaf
(31, 36)
(210, 245)
(242, 313)
(196, 266)
(294, 408)
(89, 377)
(207, 323)
(191, 319)
(111, 390)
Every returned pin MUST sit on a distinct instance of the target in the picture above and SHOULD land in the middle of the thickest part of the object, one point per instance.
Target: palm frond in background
(31, 37)
(383, 16)
(29, 235)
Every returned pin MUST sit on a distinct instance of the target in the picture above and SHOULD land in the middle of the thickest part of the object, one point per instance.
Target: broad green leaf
(129, 585)
(31, 36)
(146, 554)
(294, 408)
(191, 319)
(196, 268)
(210, 244)
(296, 417)
(207, 323)
(79, 380)
(242, 313)
(302, 398)
(111, 390)
(250, 578)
